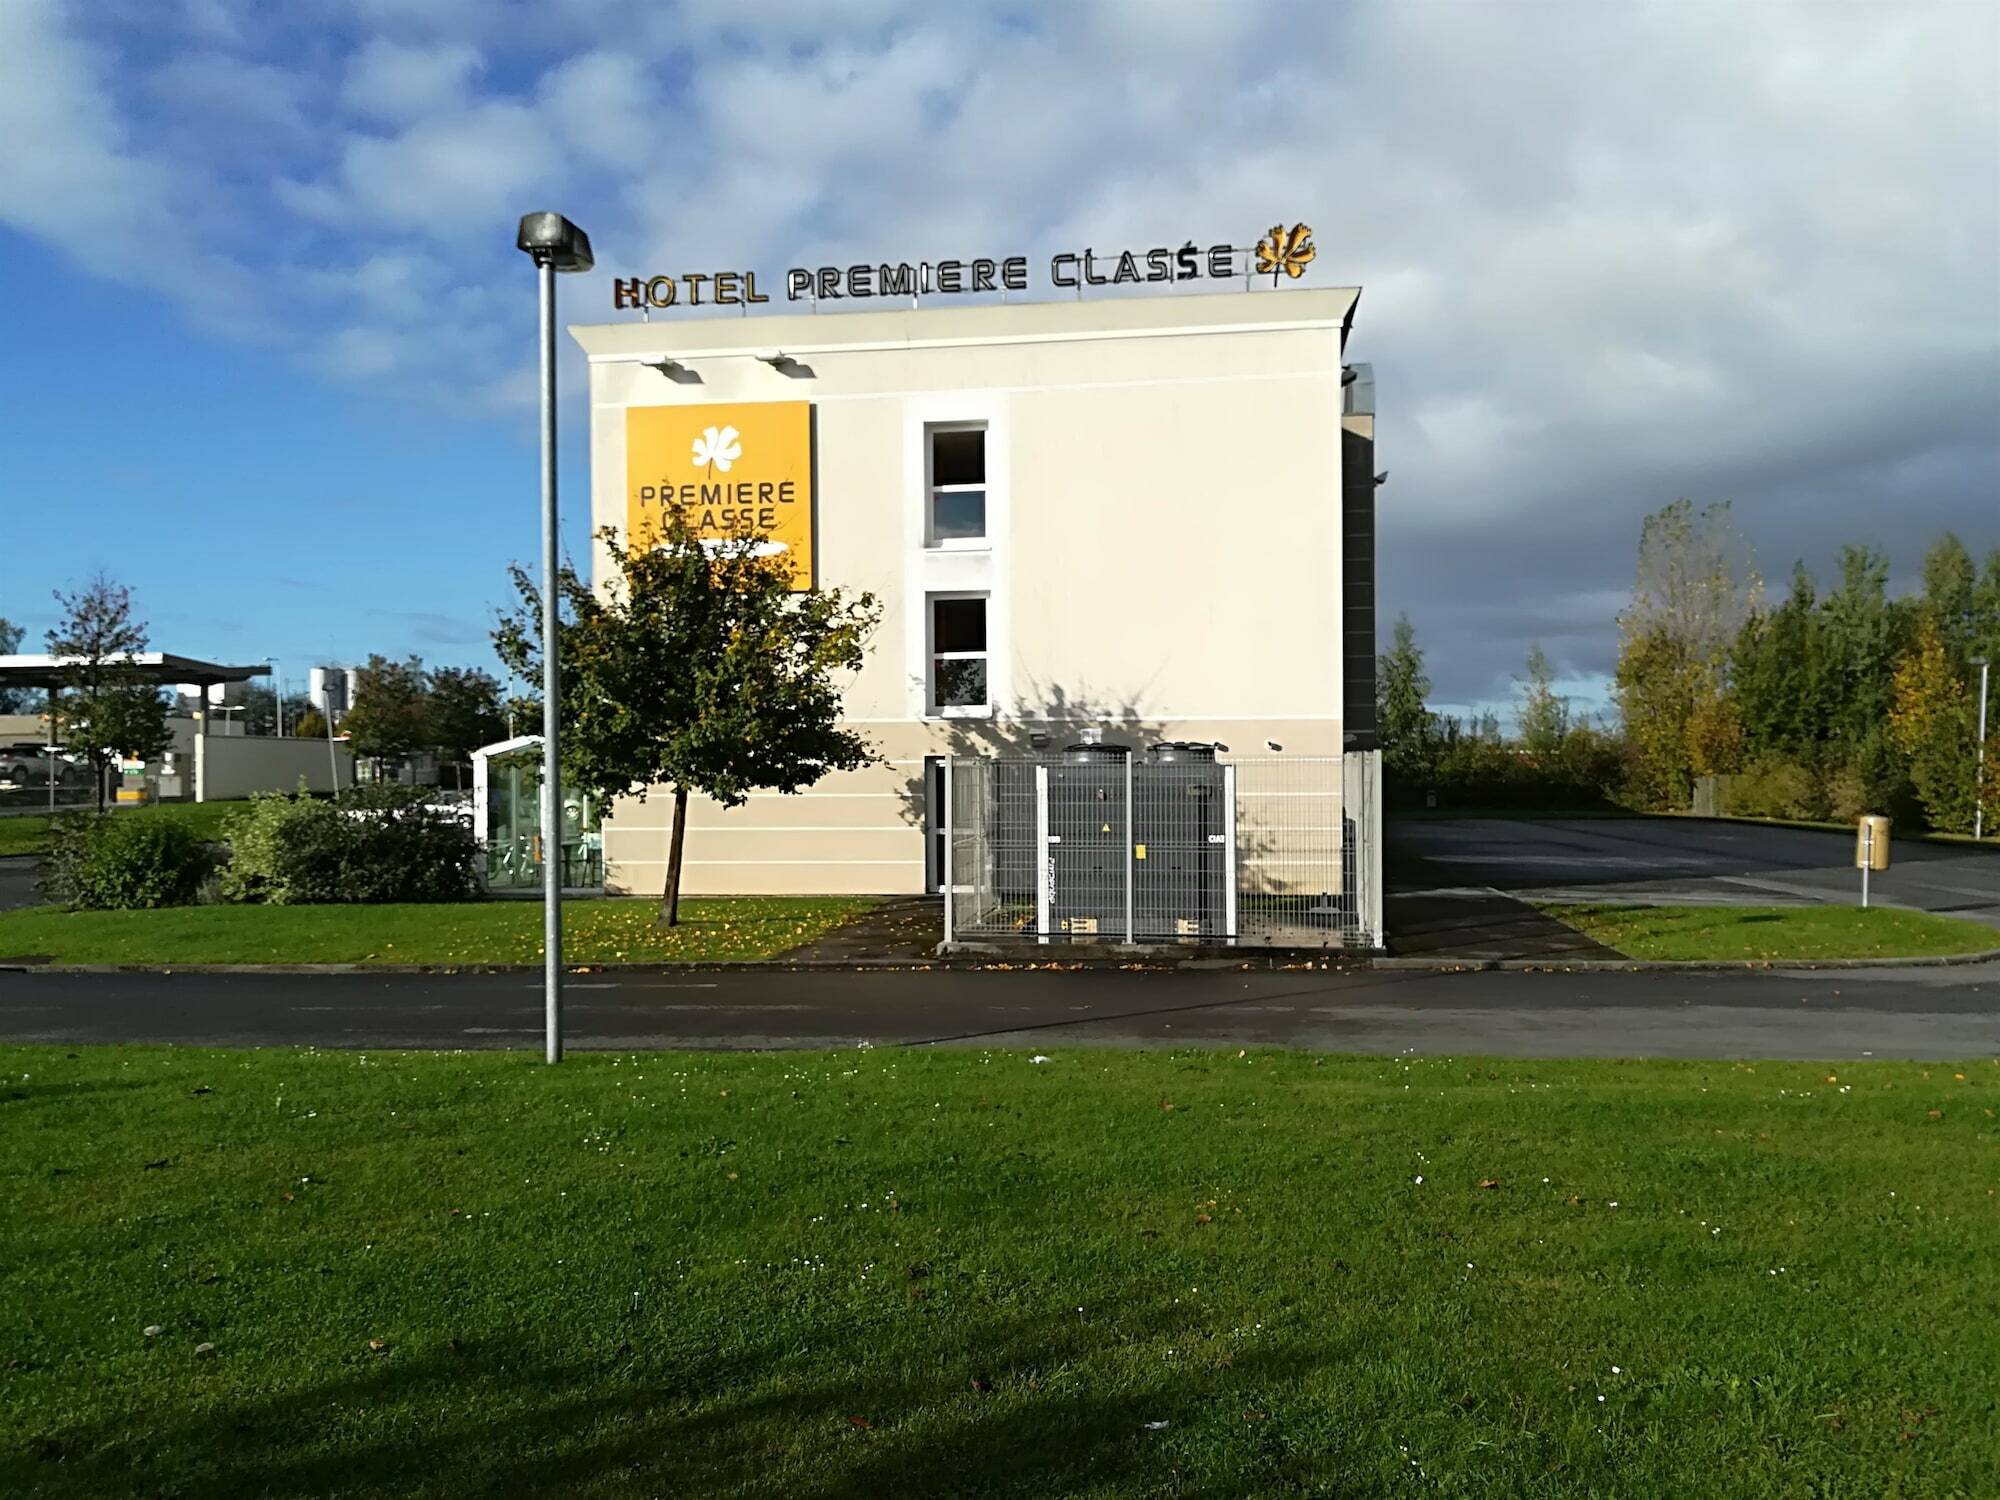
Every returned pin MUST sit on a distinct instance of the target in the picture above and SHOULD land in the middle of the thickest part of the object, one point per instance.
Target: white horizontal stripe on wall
(689, 862)
(707, 828)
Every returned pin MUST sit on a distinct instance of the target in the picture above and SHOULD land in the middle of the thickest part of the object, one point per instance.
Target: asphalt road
(1918, 1012)
(1662, 860)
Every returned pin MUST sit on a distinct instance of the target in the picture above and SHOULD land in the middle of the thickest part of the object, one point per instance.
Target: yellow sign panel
(732, 468)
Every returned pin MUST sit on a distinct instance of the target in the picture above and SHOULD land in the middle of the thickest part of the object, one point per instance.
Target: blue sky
(272, 344)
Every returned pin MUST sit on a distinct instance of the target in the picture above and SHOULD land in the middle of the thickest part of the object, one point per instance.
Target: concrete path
(1921, 1013)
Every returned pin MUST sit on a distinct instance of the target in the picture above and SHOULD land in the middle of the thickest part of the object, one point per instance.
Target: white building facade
(1140, 519)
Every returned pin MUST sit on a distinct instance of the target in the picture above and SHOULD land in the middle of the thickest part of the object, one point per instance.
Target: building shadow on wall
(1042, 723)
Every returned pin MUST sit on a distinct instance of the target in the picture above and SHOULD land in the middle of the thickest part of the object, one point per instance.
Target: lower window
(958, 654)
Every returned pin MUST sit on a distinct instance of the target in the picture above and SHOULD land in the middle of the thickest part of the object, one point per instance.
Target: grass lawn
(472, 932)
(935, 1273)
(29, 833)
(1774, 932)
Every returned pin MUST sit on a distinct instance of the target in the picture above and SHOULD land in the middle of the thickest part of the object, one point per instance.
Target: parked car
(25, 765)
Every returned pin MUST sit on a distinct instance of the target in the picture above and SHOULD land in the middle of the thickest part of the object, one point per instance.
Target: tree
(102, 710)
(699, 668)
(260, 709)
(309, 725)
(1694, 590)
(1865, 634)
(13, 700)
(1544, 717)
(1932, 724)
(1778, 675)
(1408, 729)
(390, 716)
(465, 712)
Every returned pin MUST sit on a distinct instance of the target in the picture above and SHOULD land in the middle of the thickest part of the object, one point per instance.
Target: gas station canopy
(162, 667)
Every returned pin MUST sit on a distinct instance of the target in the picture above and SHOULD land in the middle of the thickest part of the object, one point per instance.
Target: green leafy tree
(1865, 633)
(1695, 587)
(13, 700)
(1778, 675)
(700, 669)
(389, 719)
(465, 712)
(102, 711)
(1932, 724)
(309, 725)
(260, 709)
(1544, 715)
(1950, 598)
(1409, 730)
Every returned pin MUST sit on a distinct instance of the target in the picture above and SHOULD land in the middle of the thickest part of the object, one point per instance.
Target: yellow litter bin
(1871, 848)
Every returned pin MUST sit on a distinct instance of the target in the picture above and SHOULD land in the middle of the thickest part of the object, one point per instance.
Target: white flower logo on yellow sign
(717, 447)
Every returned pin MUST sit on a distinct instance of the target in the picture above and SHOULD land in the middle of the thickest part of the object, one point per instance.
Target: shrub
(1772, 787)
(381, 843)
(122, 861)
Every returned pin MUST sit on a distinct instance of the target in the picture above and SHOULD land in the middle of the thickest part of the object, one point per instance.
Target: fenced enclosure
(1101, 843)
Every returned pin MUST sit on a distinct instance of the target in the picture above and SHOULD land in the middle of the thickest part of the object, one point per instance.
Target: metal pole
(950, 912)
(1867, 859)
(1979, 778)
(1131, 853)
(52, 749)
(551, 683)
(278, 694)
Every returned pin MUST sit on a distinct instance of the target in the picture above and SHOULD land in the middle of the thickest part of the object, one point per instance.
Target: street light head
(1979, 661)
(552, 240)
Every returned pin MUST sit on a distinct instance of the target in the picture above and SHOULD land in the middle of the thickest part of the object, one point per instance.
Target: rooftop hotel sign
(1283, 252)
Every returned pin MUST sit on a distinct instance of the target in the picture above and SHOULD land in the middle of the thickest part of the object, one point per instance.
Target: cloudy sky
(271, 338)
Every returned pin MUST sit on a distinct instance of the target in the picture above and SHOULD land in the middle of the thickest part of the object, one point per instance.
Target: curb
(742, 966)
(1447, 965)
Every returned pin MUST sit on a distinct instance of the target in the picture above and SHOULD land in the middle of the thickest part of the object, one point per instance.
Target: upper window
(957, 503)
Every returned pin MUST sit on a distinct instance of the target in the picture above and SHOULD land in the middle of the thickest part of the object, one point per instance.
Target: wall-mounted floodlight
(773, 357)
(1348, 374)
(1383, 477)
(667, 367)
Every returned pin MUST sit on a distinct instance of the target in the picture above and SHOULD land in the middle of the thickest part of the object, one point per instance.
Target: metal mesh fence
(1173, 845)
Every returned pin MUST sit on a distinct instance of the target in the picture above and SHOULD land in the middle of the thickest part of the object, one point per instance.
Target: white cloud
(1609, 255)
(397, 84)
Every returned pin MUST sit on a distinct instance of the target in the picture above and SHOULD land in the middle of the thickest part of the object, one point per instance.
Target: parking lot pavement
(1682, 860)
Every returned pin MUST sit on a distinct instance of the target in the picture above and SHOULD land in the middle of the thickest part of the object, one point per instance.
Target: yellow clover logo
(717, 448)
(1287, 250)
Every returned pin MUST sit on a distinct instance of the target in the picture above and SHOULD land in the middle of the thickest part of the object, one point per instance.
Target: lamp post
(278, 693)
(555, 245)
(1979, 774)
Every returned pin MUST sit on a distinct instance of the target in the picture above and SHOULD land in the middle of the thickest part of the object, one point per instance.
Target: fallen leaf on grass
(981, 1385)
(1166, 1104)
(1203, 1219)
(1489, 1182)
(1935, 1114)
(154, 1166)
(860, 1422)
(378, 1345)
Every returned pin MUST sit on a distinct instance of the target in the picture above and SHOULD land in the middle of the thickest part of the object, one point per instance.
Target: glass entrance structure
(507, 817)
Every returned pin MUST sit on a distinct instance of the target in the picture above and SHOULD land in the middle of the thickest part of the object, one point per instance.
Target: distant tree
(698, 668)
(1694, 589)
(465, 712)
(309, 725)
(389, 719)
(102, 711)
(1409, 730)
(1865, 633)
(1932, 723)
(13, 700)
(260, 709)
(1544, 716)
(1778, 674)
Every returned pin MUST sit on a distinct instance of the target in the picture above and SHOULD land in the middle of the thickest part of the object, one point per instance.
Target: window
(957, 463)
(958, 654)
